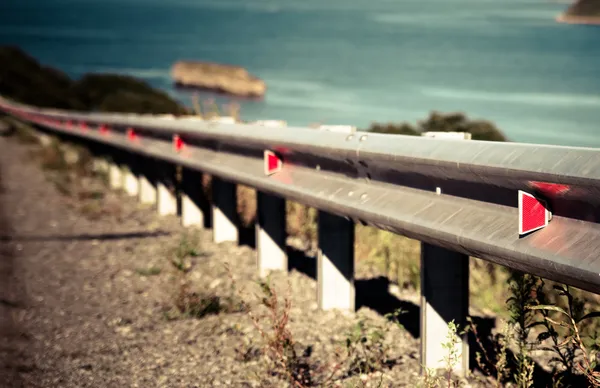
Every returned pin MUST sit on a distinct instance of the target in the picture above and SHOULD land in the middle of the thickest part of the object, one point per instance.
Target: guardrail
(459, 198)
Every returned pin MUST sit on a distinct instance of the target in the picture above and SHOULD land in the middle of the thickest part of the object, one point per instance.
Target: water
(344, 61)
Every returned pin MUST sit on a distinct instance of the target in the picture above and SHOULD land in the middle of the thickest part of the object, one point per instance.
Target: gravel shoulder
(89, 301)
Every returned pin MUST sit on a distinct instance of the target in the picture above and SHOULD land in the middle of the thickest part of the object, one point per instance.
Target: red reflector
(103, 130)
(131, 135)
(177, 143)
(83, 127)
(69, 124)
(550, 188)
(533, 213)
(273, 163)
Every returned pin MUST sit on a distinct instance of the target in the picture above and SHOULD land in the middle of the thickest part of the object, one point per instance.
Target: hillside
(24, 79)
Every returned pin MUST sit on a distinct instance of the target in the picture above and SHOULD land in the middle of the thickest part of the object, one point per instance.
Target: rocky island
(582, 12)
(227, 79)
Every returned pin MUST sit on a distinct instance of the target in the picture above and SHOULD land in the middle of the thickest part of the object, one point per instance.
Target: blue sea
(344, 61)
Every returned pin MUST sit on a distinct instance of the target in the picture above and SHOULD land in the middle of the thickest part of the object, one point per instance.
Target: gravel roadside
(88, 302)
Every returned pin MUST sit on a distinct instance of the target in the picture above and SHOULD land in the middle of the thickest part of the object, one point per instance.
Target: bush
(119, 93)
(25, 80)
(440, 122)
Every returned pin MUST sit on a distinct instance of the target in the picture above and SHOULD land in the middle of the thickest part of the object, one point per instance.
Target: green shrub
(440, 122)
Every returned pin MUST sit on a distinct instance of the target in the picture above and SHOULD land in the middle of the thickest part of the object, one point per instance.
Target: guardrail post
(191, 210)
(131, 182)
(444, 298)
(115, 174)
(101, 164)
(167, 200)
(270, 234)
(335, 272)
(224, 211)
(148, 182)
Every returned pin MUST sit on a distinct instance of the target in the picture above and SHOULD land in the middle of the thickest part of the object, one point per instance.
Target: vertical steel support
(192, 195)
(224, 211)
(131, 183)
(167, 200)
(444, 298)
(148, 181)
(335, 272)
(270, 234)
(115, 173)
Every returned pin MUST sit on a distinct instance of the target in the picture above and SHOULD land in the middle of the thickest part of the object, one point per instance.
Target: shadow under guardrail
(83, 237)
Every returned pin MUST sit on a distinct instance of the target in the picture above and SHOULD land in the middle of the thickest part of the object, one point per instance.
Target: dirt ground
(92, 301)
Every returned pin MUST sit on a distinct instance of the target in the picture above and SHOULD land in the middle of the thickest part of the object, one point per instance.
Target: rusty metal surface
(390, 181)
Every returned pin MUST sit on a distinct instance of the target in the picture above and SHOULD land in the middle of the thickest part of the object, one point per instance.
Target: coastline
(573, 19)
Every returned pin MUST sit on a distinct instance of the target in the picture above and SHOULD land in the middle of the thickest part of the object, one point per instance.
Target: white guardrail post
(270, 234)
(335, 263)
(224, 211)
(191, 198)
(115, 174)
(148, 181)
(131, 182)
(444, 296)
(167, 200)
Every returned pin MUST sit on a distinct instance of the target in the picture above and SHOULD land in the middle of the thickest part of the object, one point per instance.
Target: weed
(187, 248)
(150, 271)
(52, 158)
(453, 355)
(92, 210)
(524, 289)
(194, 304)
(24, 133)
(500, 371)
(570, 353)
(430, 378)
(366, 348)
(279, 344)
(63, 183)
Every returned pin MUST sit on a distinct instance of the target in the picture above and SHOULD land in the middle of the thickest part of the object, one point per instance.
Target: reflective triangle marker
(273, 163)
(177, 143)
(533, 213)
(131, 135)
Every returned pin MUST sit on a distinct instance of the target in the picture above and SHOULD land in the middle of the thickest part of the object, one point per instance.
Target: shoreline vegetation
(24, 79)
(581, 12)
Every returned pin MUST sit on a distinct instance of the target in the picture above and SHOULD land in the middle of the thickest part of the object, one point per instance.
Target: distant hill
(24, 79)
(582, 11)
